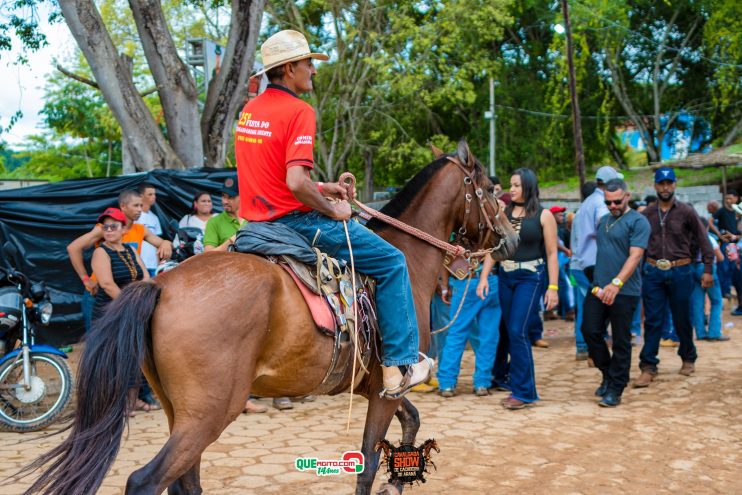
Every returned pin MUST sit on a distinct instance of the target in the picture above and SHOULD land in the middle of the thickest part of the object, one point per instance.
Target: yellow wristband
(553, 287)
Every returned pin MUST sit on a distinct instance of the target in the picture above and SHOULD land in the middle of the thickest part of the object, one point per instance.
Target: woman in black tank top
(115, 265)
(521, 282)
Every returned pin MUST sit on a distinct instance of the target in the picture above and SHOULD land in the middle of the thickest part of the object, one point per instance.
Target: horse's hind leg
(178, 460)
(189, 483)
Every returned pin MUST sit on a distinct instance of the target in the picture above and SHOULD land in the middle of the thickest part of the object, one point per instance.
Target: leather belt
(667, 264)
(531, 266)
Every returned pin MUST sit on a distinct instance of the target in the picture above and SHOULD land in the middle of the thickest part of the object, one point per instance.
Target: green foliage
(19, 22)
(54, 161)
(405, 73)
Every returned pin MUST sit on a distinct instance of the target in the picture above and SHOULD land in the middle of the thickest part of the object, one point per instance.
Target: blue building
(688, 134)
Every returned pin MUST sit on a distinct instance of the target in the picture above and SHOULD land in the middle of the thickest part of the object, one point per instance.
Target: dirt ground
(681, 435)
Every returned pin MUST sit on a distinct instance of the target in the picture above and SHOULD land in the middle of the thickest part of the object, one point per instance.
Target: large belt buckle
(509, 265)
(664, 264)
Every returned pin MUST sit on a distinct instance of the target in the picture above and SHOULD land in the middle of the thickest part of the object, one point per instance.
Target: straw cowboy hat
(284, 47)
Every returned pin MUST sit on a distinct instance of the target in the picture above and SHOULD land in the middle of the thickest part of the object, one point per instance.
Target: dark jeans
(520, 293)
(659, 287)
(614, 368)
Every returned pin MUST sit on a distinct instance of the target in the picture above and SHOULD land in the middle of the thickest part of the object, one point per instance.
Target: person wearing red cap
(115, 264)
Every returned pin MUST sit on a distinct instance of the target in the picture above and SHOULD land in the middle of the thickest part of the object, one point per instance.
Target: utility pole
(576, 123)
(491, 115)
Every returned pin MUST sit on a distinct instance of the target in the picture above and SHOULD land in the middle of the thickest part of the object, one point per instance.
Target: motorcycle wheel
(24, 410)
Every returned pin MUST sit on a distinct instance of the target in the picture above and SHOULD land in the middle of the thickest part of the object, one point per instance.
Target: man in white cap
(274, 149)
(584, 245)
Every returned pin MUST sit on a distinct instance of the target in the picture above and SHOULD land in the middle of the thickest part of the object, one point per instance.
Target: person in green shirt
(221, 229)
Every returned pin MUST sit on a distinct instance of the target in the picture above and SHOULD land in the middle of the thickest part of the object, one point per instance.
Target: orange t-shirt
(275, 132)
(133, 237)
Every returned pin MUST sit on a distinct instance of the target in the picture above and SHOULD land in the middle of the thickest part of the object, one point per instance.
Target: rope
(461, 305)
(355, 326)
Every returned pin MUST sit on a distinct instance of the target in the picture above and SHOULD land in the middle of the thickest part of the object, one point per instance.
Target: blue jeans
(660, 287)
(698, 300)
(439, 318)
(376, 258)
(566, 296)
(486, 313)
(636, 321)
(583, 287)
(520, 294)
(668, 328)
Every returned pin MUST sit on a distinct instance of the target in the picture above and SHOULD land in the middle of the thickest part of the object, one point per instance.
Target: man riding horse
(274, 151)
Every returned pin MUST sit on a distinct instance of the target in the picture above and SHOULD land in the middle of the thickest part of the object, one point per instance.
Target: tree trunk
(733, 133)
(147, 145)
(617, 155)
(368, 175)
(177, 89)
(127, 161)
(228, 90)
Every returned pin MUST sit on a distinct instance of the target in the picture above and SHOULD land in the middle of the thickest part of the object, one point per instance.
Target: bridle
(472, 189)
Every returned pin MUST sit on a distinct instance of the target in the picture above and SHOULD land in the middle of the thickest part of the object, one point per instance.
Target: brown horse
(223, 325)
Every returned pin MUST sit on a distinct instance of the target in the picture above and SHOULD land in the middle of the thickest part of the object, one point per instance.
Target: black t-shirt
(726, 220)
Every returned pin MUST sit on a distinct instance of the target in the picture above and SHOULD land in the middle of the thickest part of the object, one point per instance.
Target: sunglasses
(111, 227)
(614, 202)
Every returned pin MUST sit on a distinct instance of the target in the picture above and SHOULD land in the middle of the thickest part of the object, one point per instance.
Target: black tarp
(41, 220)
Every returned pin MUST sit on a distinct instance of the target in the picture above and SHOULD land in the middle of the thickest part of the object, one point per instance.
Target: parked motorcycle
(35, 379)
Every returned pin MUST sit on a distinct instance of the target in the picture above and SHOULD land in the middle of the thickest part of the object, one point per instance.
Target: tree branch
(94, 84)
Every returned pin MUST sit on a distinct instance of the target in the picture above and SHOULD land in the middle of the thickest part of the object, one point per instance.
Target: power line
(538, 113)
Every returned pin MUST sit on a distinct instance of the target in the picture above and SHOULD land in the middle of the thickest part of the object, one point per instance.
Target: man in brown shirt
(667, 281)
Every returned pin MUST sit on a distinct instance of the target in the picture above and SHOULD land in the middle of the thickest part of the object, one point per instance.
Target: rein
(367, 213)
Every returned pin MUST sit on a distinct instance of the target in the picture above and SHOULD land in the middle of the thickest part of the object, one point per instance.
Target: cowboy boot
(397, 385)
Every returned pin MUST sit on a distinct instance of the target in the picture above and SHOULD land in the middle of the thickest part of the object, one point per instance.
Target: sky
(23, 85)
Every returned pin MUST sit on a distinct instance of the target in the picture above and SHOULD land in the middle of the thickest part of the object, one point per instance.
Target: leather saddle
(327, 287)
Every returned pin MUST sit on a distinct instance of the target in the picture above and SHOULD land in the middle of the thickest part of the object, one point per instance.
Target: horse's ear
(464, 155)
(437, 152)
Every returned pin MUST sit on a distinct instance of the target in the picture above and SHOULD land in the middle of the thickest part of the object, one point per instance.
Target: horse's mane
(399, 203)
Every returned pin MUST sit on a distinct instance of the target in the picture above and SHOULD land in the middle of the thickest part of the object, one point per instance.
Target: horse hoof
(387, 489)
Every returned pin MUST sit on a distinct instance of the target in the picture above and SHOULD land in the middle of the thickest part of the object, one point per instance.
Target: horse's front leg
(378, 417)
(409, 418)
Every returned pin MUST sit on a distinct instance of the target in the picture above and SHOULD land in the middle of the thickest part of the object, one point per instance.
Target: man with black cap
(221, 229)
(677, 234)
(274, 146)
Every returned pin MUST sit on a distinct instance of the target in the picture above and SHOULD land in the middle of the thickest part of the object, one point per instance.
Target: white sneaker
(396, 385)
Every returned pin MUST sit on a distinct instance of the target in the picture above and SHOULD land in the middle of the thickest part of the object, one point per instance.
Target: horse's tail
(118, 343)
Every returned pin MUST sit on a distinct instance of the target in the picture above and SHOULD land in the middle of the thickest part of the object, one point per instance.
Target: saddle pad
(318, 306)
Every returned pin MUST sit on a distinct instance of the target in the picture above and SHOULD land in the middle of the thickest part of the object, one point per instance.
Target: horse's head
(483, 225)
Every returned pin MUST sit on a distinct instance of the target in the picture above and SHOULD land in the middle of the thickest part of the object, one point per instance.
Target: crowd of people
(611, 266)
(604, 266)
(128, 246)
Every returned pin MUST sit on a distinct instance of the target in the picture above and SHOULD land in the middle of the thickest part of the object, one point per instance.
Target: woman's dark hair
(529, 187)
(196, 197)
